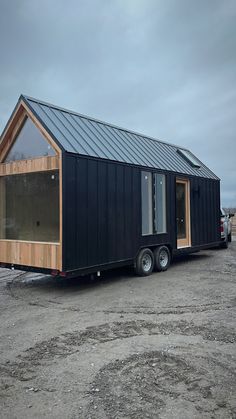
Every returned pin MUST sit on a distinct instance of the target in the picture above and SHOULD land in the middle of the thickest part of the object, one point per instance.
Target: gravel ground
(121, 346)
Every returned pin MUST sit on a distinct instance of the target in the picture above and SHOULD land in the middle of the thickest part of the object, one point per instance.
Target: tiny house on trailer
(78, 195)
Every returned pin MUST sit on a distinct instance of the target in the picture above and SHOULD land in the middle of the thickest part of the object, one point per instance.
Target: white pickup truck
(225, 228)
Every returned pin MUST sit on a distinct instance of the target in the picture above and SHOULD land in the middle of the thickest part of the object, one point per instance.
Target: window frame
(155, 210)
(148, 204)
(189, 158)
(153, 200)
(27, 176)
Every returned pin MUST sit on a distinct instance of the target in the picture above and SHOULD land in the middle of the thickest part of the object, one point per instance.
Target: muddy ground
(121, 346)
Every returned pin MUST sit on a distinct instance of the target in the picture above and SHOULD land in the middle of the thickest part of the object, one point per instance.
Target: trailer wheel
(144, 262)
(162, 258)
(225, 244)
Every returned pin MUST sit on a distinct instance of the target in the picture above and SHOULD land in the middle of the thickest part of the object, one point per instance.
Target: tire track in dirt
(183, 309)
(23, 283)
(66, 344)
(154, 383)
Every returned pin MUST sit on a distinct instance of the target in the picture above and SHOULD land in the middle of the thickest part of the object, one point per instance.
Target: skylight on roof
(193, 161)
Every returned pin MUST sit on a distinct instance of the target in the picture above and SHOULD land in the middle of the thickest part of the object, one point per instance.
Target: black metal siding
(205, 211)
(102, 212)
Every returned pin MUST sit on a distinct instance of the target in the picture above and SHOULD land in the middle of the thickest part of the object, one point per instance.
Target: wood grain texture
(2, 207)
(13, 127)
(36, 254)
(234, 224)
(39, 164)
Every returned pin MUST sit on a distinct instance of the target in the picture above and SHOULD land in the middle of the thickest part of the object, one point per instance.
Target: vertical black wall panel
(193, 192)
(92, 225)
(111, 219)
(102, 212)
(136, 206)
(81, 211)
(211, 218)
(204, 213)
(128, 213)
(120, 202)
(171, 210)
(205, 204)
(69, 205)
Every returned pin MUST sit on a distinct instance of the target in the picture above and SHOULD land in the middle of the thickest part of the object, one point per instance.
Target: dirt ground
(121, 346)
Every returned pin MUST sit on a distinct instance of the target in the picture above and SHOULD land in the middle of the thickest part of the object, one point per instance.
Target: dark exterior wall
(205, 211)
(102, 212)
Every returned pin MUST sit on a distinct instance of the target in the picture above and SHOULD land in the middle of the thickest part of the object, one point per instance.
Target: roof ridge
(101, 122)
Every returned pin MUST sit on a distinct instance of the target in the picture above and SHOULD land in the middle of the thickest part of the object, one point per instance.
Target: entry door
(183, 213)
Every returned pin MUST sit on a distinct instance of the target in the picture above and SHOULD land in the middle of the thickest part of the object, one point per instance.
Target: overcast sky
(165, 68)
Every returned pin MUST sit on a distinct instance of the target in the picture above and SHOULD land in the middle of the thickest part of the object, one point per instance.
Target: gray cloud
(164, 68)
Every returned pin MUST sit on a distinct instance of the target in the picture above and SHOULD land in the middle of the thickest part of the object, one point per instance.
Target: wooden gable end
(14, 126)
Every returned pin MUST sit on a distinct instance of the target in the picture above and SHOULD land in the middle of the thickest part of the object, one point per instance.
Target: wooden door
(183, 213)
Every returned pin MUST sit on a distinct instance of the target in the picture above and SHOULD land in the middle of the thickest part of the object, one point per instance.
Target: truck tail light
(54, 272)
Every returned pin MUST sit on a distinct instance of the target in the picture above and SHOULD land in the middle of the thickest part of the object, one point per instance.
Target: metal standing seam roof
(81, 134)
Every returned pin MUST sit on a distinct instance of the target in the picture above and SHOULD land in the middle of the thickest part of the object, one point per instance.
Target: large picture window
(153, 203)
(29, 207)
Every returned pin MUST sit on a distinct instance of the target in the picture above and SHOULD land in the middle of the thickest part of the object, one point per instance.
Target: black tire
(162, 258)
(229, 237)
(224, 244)
(144, 262)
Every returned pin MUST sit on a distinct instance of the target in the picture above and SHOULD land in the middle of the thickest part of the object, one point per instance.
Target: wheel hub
(147, 263)
(163, 258)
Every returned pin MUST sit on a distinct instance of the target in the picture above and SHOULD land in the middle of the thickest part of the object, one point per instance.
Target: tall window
(160, 203)
(147, 204)
(153, 203)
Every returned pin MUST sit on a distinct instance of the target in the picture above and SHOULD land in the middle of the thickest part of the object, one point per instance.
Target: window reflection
(29, 143)
(29, 207)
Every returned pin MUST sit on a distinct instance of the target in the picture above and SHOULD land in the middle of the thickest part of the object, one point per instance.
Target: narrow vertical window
(147, 203)
(160, 203)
